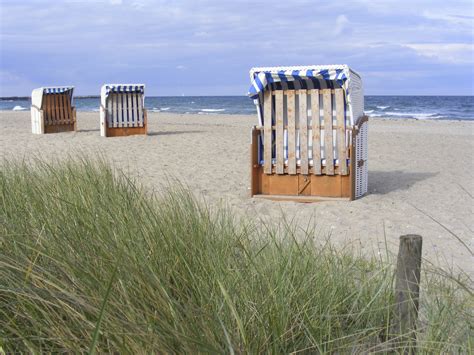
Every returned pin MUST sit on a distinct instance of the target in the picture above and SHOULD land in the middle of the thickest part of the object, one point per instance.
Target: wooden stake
(407, 290)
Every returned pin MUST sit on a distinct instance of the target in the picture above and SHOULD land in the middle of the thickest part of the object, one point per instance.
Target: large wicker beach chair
(122, 110)
(311, 141)
(52, 110)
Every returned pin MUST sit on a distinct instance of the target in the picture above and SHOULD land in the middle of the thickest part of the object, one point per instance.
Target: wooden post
(407, 290)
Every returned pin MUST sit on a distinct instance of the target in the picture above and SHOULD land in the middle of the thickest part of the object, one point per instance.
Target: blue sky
(195, 47)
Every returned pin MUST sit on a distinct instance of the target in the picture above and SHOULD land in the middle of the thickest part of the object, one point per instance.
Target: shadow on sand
(170, 133)
(383, 182)
(88, 130)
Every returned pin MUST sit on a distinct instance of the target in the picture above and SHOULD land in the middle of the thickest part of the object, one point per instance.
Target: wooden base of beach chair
(303, 188)
(299, 187)
(124, 131)
(60, 128)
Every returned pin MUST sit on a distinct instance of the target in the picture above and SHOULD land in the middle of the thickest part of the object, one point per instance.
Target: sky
(206, 47)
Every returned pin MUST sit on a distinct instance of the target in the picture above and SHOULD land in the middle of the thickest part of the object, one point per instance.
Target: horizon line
(98, 96)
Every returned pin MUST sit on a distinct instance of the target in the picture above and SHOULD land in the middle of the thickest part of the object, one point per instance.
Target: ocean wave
(416, 115)
(383, 107)
(212, 109)
(19, 108)
(369, 111)
(158, 109)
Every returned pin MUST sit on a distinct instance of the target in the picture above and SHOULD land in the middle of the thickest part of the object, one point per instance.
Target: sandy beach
(421, 176)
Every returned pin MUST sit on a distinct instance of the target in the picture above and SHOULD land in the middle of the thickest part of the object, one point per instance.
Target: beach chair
(122, 110)
(311, 140)
(52, 110)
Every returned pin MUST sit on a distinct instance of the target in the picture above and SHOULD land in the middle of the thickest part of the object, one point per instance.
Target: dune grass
(91, 262)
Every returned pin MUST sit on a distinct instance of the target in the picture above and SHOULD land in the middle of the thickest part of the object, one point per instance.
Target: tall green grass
(90, 262)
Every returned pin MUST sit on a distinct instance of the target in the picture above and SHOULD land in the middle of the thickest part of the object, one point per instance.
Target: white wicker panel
(102, 115)
(365, 156)
(358, 177)
(362, 154)
(35, 121)
(356, 90)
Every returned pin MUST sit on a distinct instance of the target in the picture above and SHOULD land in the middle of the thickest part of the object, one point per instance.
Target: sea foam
(213, 109)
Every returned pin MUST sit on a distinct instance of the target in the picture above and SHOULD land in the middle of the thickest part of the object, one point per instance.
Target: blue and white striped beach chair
(311, 141)
(52, 110)
(122, 110)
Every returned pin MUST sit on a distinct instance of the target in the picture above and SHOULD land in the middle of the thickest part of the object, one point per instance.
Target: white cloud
(202, 34)
(456, 19)
(116, 2)
(341, 24)
(138, 5)
(456, 53)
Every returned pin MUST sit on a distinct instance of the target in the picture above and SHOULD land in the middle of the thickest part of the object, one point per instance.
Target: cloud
(202, 34)
(155, 40)
(456, 53)
(445, 16)
(341, 24)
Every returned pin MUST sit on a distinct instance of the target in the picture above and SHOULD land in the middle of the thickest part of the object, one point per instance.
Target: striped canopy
(37, 94)
(309, 77)
(119, 88)
(313, 77)
(57, 90)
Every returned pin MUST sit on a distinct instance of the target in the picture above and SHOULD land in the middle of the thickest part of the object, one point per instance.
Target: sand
(420, 176)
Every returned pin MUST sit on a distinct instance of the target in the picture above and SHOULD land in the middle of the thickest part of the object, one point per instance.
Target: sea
(389, 107)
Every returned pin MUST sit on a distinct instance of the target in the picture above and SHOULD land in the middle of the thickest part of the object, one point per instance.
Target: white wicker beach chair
(311, 141)
(52, 110)
(122, 110)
